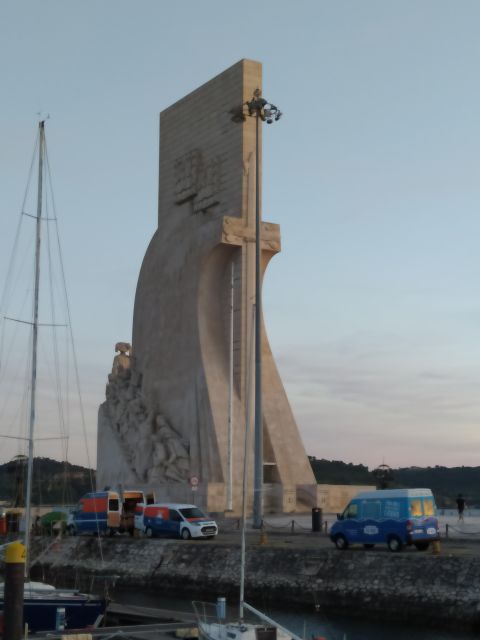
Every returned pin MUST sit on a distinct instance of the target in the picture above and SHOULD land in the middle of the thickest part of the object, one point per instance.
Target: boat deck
(167, 622)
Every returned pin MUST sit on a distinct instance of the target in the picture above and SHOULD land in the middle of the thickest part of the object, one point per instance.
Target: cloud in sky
(369, 403)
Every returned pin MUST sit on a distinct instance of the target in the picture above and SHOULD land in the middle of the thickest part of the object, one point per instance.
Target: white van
(175, 520)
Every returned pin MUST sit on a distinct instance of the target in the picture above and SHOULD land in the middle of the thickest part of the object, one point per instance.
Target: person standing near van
(460, 506)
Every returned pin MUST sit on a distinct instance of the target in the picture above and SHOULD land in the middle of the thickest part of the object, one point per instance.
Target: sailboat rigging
(212, 619)
(42, 602)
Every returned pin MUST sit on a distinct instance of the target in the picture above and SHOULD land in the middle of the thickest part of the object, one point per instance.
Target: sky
(373, 307)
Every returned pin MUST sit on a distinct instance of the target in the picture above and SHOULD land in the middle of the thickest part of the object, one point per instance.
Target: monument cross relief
(166, 415)
(198, 180)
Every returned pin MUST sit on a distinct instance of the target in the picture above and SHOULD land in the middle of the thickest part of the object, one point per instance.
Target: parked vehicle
(97, 512)
(396, 517)
(105, 512)
(175, 520)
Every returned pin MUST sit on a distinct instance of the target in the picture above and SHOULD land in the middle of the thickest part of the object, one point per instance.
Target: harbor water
(312, 624)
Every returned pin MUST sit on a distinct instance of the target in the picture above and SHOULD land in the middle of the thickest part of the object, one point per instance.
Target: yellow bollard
(436, 547)
(13, 599)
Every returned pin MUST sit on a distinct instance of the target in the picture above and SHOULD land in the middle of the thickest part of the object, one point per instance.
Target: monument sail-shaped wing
(165, 419)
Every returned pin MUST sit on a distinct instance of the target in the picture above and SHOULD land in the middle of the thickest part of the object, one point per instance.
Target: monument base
(212, 496)
(278, 498)
(332, 498)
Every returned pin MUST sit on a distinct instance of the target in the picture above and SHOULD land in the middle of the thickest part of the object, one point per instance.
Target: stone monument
(166, 414)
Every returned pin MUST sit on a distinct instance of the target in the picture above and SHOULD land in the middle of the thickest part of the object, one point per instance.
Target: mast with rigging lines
(41, 602)
(33, 384)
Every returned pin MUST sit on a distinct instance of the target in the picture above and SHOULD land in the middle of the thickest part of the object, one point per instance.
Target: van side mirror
(339, 516)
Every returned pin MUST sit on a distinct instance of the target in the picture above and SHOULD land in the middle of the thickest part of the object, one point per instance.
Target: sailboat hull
(45, 613)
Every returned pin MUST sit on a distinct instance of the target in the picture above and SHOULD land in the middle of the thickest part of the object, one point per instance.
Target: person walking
(460, 506)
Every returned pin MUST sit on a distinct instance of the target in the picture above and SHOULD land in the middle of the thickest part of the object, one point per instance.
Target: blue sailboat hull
(44, 613)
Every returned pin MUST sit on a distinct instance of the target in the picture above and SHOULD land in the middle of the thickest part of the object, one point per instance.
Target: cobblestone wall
(421, 588)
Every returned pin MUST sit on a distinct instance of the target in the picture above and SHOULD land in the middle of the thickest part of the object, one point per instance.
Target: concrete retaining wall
(424, 588)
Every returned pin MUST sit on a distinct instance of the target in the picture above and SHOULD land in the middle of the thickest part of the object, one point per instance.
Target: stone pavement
(451, 527)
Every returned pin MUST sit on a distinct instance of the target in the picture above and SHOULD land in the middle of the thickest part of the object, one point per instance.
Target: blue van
(396, 517)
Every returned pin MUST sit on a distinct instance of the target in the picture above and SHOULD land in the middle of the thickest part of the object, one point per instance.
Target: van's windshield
(428, 507)
(416, 507)
(422, 507)
(192, 512)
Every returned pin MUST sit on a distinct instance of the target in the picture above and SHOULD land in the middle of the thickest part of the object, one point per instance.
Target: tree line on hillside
(445, 482)
(53, 482)
(57, 482)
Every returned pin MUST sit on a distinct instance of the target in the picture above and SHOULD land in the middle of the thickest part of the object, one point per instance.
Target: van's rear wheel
(422, 546)
(185, 534)
(394, 544)
(341, 542)
(149, 532)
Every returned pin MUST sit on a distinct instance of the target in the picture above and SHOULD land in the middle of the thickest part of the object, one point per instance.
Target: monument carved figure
(122, 361)
(166, 413)
(150, 448)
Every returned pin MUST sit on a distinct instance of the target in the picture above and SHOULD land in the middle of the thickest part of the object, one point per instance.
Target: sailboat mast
(33, 385)
(245, 468)
(229, 506)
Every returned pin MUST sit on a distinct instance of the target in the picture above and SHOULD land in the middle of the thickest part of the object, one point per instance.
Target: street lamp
(262, 111)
